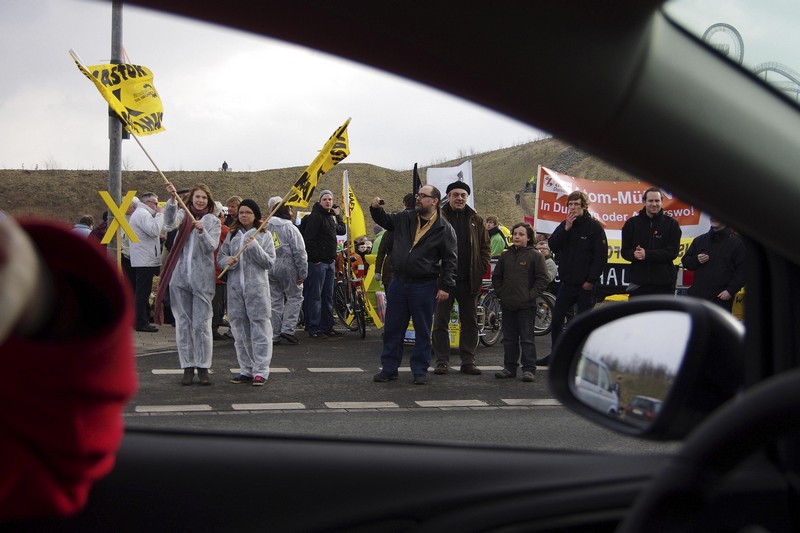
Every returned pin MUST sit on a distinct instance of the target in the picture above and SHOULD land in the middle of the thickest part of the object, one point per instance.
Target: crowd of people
(435, 255)
(432, 257)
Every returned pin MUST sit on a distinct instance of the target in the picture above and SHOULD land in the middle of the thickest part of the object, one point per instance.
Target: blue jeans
(404, 301)
(319, 297)
(518, 333)
(566, 297)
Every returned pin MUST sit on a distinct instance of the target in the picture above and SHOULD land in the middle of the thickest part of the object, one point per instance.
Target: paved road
(325, 388)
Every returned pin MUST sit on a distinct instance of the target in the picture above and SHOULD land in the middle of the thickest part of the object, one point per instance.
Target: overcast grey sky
(255, 102)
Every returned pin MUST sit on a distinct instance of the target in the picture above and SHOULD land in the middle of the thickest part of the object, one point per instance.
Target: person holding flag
(249, 303)
(189, 275)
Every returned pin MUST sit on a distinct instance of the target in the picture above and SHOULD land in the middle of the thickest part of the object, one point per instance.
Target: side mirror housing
(653, 367)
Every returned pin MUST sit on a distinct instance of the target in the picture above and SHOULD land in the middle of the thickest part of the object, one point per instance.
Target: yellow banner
(130, 92)
(352, 211)
(334, 151)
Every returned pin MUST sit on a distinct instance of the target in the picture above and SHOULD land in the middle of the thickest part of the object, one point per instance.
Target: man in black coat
(651, 241)
(581, 250)
(424, 257)
(717, 259)
(319, 230)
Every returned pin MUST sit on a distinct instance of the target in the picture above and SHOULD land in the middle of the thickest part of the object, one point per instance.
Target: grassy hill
(498, 175)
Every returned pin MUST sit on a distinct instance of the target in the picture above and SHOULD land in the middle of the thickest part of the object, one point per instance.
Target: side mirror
(653, 367)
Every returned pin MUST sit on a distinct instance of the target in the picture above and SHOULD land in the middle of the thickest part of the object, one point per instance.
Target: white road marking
(171, 408)
(528, 401)
(266, 406)
(451, 403)
(360, 405)
(336, 369)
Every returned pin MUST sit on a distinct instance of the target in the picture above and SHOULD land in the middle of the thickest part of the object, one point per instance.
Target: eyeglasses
(422, 195)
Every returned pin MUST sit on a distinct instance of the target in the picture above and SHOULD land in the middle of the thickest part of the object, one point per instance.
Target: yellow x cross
(119, 216)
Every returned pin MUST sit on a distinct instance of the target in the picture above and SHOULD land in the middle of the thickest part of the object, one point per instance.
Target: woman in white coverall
(286, 277)
(249, 306)
(189, 273)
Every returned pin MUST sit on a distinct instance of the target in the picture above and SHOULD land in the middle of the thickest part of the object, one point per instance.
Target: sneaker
(440, 369)
(334, 333)
(259, 381)
(528, 376)
(383, 377)
(291, 339)
(420, 380)
(505, 374)
(241, 378)
(217, 336)
(277, 340)
(544, 361)
(318, 335)
(471, 369)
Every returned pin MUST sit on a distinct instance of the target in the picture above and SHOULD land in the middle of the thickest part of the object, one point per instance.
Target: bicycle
(543, 315)
(348, 299)
(490, 316)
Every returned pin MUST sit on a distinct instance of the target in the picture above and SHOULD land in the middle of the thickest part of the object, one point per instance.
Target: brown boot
(202, 375)
(188, 376)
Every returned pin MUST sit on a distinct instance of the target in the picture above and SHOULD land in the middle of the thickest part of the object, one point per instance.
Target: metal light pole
(114, 124)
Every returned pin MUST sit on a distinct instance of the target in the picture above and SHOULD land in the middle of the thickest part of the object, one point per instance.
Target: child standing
(519, 277)
(249, 306)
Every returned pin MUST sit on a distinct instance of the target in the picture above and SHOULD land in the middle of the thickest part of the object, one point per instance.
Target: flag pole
(78, 60)
(260, 228)
(166, 181)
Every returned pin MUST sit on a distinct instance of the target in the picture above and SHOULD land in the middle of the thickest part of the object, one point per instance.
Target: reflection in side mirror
(627, 367)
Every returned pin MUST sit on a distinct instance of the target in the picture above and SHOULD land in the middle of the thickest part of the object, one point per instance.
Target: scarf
(184, 231)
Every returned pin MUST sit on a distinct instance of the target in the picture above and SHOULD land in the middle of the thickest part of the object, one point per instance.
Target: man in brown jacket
(473, 262)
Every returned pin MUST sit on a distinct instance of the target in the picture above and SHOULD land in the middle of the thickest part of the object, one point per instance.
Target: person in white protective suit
(286, 277)
(249, 305)
(189, 274)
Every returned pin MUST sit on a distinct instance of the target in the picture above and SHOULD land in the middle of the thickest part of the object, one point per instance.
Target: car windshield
(247, 114)
(762, 37)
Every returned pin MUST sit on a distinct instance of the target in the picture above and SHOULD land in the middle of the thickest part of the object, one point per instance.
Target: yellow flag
(352, 210)
(130, 92)
(335, 150)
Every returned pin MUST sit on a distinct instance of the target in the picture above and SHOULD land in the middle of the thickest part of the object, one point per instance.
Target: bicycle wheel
(343, 307)
(359, 310)
(493, 320)
(543, 314)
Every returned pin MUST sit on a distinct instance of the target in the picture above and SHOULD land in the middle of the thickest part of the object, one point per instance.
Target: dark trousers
(218, 305)
(467, 316)
(318, 293)
(518, 338)
(144, 286)
(130, 274)
(569, 295)
(406, 301)
(644, 290)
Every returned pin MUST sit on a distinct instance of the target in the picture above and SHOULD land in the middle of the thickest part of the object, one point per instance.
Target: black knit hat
(458, 185)
(253, 206)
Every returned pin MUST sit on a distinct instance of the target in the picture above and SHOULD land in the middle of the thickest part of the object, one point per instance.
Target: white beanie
(275, 200)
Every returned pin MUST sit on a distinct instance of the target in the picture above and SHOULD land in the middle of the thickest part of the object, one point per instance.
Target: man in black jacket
(717, 259)
(320, 228)
(424, 257)
(581, 251)
(651, 241)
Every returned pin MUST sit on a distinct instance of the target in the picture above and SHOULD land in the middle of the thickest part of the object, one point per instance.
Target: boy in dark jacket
(519, 278)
